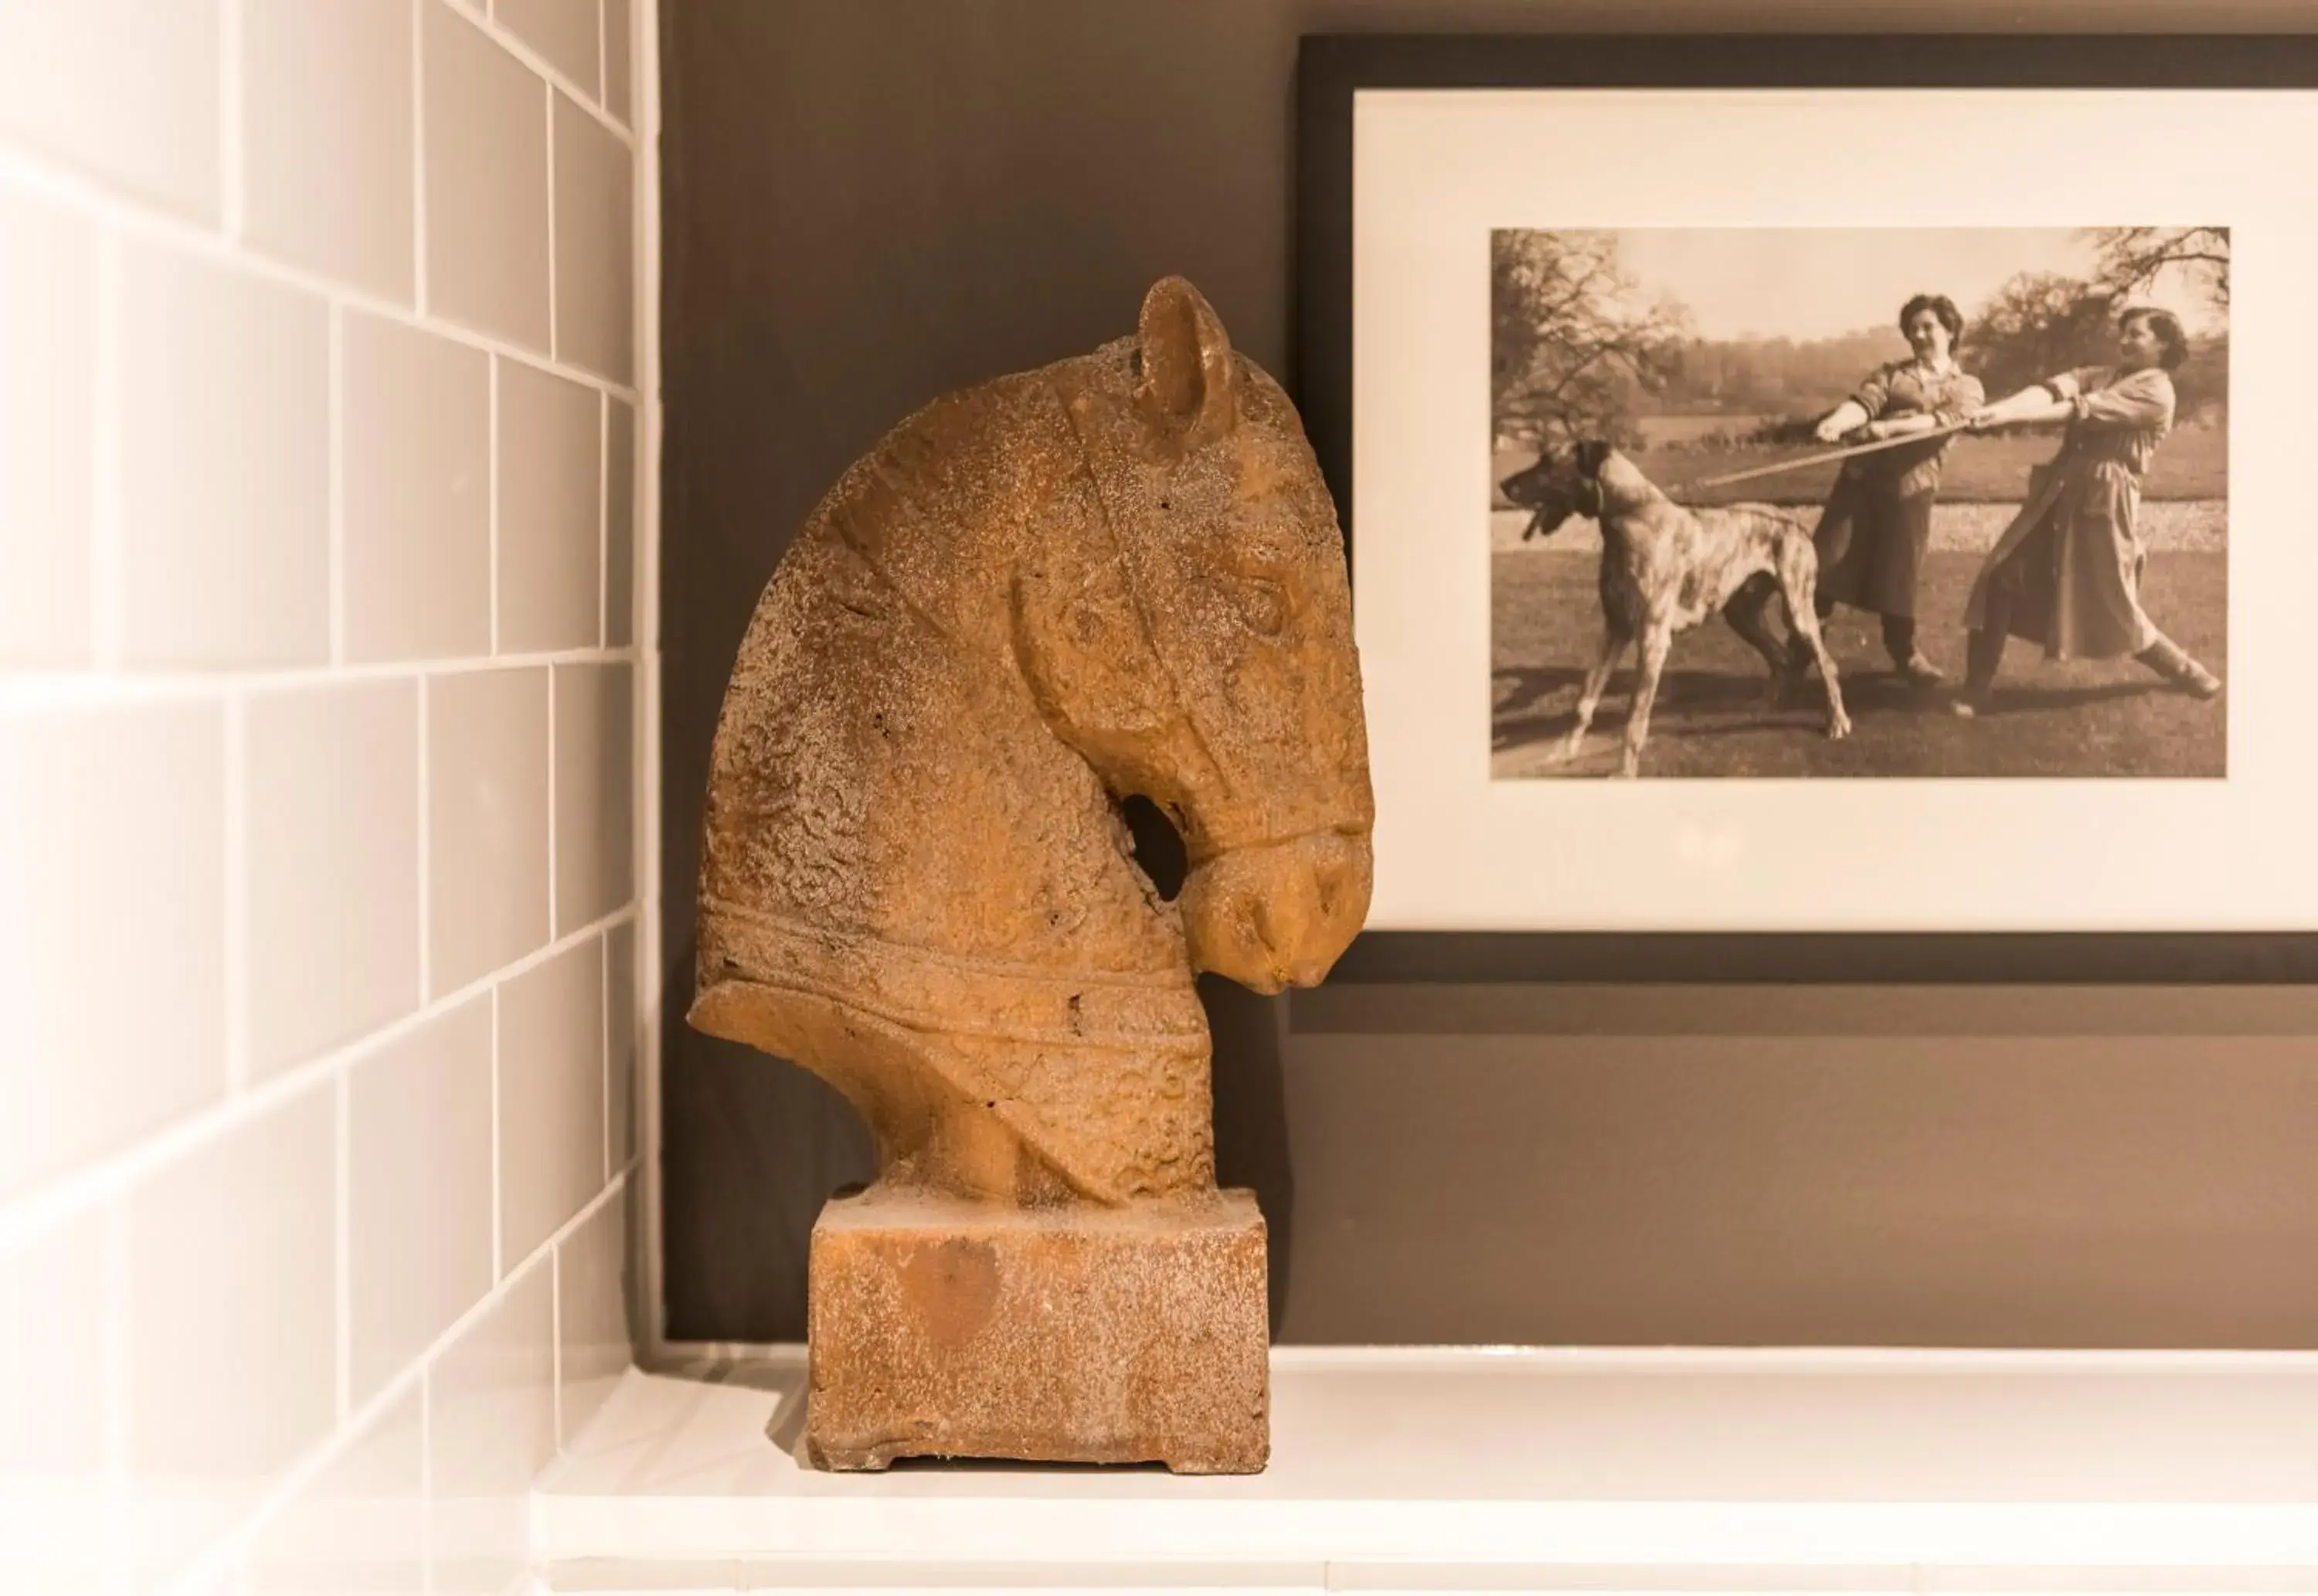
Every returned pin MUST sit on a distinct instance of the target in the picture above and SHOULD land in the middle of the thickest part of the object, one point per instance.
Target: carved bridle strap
(1120, 562)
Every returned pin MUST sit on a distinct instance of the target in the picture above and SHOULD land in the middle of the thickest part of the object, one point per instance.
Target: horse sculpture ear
(1185, 387)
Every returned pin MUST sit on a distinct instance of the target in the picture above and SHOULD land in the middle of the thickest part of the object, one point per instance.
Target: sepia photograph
(1689, 434)
(1809, 502)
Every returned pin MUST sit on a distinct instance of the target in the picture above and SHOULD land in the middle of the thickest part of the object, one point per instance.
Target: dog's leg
(1798, 577)
(1615, 639)
(1748, 611)
(1658, 637)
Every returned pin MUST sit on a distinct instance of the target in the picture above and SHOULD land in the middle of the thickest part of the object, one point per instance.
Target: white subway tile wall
(112, 967)
(54, 1472)
(224, 386)
(592, 1334)
(595, 829)
(594, 301)
(487, 809)
(330, 850)
(360, 1527)
(418, 1202)
(490, 1428)
(327, 120)
(561, 31)
(620, 1035)
(414, 492)
(619, 523)
(551, 1097)
(128, 90)
(551, 524)
(318, 562)
(47, 431)
(616, 57)
(231, 1272)
(486, 181)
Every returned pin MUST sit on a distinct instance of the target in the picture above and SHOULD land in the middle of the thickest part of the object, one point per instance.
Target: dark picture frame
(1332, 69)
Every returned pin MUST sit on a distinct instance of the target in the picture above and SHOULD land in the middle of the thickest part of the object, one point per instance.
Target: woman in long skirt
(2067, 572)
(1878, 521)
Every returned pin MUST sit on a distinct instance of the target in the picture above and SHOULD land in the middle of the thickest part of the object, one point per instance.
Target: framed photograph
(1811, 487)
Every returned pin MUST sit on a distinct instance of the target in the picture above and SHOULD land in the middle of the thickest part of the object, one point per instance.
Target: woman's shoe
(2168, 659)
(1920, 671)
(2198, 682)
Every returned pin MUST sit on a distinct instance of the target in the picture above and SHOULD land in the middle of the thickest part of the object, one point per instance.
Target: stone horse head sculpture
(1118, 574)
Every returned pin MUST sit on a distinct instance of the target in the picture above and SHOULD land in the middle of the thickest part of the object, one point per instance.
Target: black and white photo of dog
(1665, 568)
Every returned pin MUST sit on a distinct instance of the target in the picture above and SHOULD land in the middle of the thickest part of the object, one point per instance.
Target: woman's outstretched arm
(2134, 403)
(1905, 427)
(2030, 404)
(1847, 416)
(1865, 403)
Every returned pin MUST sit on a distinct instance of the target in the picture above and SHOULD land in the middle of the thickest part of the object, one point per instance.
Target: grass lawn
(2082, 718)
(2192, 462)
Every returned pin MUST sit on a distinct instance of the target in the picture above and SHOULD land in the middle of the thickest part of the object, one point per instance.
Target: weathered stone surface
(942, 1326)
(1120, 575)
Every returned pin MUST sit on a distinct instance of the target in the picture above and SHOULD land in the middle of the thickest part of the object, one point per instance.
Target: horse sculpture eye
(1262, 606)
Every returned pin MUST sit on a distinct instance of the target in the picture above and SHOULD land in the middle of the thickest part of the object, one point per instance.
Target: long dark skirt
(1871, 542)
(2067, 572)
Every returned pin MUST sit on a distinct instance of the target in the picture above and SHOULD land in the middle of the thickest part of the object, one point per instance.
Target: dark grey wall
(870, 201)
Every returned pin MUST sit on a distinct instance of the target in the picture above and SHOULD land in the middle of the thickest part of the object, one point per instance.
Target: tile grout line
(236, 944)
(108, 565)
(113, 1361)
(83, 689)
(61, 184)
(38, 1212)
(232, 129)
(555, 1339)
(427, 1475)
(553, 331)
(646, 330)
(425, 851)
(338, 512)
(554, 908)
(418, 155)
(603, 522)
(288, 1483)
(603, 1058)
(541, 66)
(492, 516)
(343, 1241)
(499, 1244)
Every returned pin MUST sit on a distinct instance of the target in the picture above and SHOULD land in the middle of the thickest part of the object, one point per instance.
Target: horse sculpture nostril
(1278, 914)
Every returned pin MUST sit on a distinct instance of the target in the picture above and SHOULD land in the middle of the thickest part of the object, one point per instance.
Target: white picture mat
(1435, 170)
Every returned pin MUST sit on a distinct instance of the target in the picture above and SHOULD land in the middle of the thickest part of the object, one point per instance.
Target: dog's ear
(1591, 454)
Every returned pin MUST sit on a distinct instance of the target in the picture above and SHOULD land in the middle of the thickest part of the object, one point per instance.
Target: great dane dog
(1664, 568)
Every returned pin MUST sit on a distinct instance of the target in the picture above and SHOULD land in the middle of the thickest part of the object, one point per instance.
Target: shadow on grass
(1519, 718)
(2025, 699)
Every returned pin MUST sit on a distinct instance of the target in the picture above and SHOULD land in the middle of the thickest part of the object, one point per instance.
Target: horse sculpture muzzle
(1278, 914)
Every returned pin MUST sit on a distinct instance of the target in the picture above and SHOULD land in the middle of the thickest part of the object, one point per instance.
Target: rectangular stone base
(944, 1327)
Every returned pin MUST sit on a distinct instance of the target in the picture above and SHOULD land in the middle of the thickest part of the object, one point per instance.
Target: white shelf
(1496, 1470)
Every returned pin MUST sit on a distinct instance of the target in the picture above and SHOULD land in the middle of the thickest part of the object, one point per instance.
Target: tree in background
(2201, 385)
(1754, 375)
(2131, 259)
(1570, 352)
(2038, 323)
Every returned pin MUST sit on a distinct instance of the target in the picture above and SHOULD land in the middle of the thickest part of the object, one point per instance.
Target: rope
(1803, 461)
